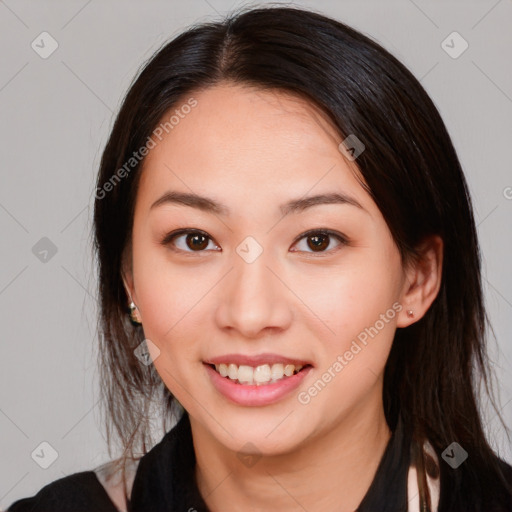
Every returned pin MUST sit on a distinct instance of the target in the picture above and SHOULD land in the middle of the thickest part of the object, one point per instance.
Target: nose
(254, 297)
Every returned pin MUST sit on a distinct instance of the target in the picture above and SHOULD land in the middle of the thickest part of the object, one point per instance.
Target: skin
(253, 150)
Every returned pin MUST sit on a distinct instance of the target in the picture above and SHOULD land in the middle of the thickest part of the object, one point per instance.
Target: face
(252, 277)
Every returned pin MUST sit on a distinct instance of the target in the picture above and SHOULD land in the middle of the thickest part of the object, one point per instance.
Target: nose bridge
(254, 297)
(252, 275)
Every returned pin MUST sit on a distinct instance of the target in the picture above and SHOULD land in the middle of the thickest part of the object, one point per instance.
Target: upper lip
(255, 360)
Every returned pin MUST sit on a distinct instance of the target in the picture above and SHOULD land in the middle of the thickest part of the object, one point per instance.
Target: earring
(410, 313)
(133, 314)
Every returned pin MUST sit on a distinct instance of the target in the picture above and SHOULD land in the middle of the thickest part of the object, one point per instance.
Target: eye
(197, 241)
(194, 239)
(318, 240)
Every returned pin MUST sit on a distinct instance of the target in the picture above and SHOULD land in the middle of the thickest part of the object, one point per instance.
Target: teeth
(263, 374)
(288, 370)
(245, 374)
(277, 371)
(233, 371)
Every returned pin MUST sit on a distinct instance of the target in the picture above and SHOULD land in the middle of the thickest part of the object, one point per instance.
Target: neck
(330, 471)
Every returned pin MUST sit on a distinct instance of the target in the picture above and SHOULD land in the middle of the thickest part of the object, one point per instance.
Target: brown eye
(193, 240)
(197, 241)
(319, 241)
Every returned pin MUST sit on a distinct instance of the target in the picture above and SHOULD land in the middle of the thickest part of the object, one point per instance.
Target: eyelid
(169, 237)
(174, 234)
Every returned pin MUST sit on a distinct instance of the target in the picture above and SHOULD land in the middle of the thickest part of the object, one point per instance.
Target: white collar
(432, 483)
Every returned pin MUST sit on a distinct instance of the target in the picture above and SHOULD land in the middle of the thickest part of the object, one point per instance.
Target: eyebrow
(209, 205)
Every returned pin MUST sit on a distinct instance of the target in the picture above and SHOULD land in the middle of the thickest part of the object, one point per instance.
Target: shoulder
(495, 487)
(504, 491)
(79, 492)
(117, 484)
(505, 467)
(478, 486)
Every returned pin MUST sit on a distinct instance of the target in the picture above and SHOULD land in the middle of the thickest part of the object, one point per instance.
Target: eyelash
(170, 237)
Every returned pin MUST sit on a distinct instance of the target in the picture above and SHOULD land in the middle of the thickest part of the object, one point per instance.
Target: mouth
(257, 386)
(262, 375)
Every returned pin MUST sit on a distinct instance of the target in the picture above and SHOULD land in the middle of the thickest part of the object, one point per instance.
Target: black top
(165, 481)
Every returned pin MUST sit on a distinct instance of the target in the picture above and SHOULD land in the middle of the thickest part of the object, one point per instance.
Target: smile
(260, 375)
(266, 387)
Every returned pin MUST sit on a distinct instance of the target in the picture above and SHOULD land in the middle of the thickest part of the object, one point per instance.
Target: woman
(280, 221)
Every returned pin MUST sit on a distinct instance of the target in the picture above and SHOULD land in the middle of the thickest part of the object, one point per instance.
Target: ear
(422, 281)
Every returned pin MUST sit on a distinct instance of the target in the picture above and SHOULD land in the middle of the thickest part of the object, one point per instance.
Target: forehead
(248, 141)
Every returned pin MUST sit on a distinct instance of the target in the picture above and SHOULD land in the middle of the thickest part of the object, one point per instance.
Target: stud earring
(410, 313)
(133, 314)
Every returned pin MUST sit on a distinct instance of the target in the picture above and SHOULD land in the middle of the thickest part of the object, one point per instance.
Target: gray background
(55, 116)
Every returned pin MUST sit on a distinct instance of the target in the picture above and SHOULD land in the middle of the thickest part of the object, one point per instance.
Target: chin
(260, 434)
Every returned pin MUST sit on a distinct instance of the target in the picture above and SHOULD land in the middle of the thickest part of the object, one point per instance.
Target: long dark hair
(437, 365)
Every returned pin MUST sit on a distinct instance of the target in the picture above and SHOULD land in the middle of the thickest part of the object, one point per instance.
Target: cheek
(353, 296)
(167, 292)
(361, 313)
(173, 300)
(360, 306)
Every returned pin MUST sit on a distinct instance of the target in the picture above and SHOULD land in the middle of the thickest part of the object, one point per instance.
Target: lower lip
(252, 395)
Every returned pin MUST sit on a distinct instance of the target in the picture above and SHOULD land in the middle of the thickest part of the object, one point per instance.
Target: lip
(252, 395)
(256, 360)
